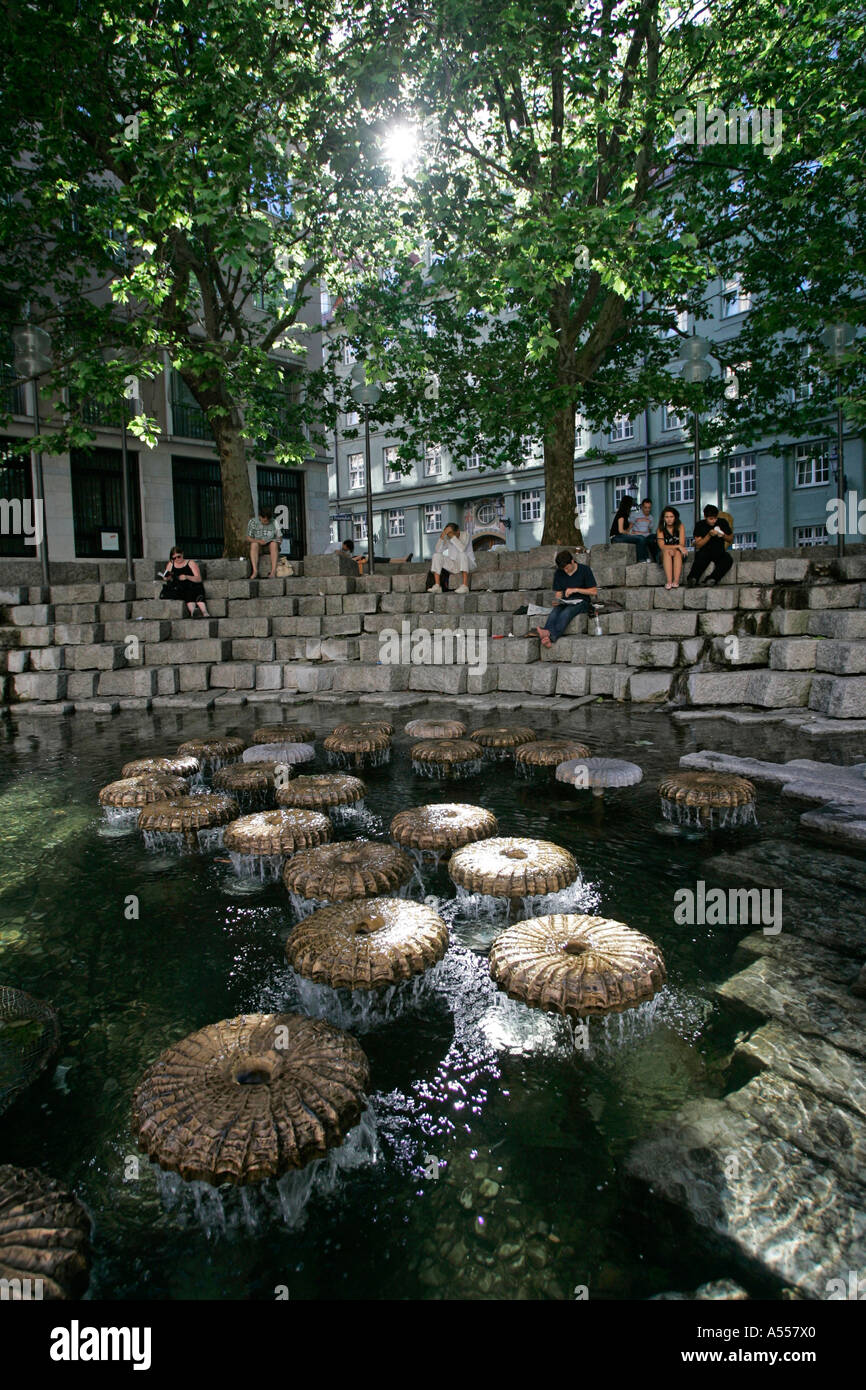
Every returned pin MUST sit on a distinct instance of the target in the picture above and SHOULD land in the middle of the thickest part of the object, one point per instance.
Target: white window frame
(816, 452)
(359, 527)
(348, 356)
(806, 536)
(621, 429)
(333, 532)
(581, 498)
(397, 522)
(671, 421)
(357, 478)
(392, 451)
(681, 485)
(486, 520)
(530, 505)
(474, 459)
(628, 485)
(734, 299)
(743, 476)
(353, 419)
(433, 461)
(432, 518)
(745, 540)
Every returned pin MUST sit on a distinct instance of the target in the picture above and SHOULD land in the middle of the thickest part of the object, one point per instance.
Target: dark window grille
(187, 417)
(198, 506)
(284, 487)
(16, 485)
(97, 500)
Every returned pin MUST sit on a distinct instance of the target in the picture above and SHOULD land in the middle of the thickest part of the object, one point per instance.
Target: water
(491, 1160)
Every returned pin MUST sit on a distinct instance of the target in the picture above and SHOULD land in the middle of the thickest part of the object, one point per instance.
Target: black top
(704, 528)
(583, 578)
(670, 537)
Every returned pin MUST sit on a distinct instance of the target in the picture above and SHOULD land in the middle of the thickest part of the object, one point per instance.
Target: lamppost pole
(127, 527)
(369, 483)
(696, 368)
(32, 359)
(837, 338)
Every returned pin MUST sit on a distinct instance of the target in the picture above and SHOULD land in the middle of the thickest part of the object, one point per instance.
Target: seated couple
(574, 587)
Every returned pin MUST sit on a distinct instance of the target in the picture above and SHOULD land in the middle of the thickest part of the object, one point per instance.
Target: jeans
(712, 553)
(640, 543)
(559, 617)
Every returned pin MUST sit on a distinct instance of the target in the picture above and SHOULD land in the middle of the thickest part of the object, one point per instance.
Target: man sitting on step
(710, 548)
(573, 587)
(348, 548)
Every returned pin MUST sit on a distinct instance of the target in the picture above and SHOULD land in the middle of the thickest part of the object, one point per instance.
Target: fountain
(176, 765)
(28, 1036)
(213, 753)
(44, 1237)
(341, 796)
(354, 746)
(512, 867)
(259, 844)
(546, 754)
(441, 828)
(446, 757)
(195, 822)
(251, 1097)
(598, 775)
(708, 800)
(287, 755)
(500, 741)
(284, 733)
(340, 872)
(576, 965)
(368, 945)
(251, 784)
(365, 726)
(124, 799)
(435, 728)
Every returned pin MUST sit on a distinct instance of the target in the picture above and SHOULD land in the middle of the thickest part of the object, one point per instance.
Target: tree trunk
(237, 494)
(560, 527)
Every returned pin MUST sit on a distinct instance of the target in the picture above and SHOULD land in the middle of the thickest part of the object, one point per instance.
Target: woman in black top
(183, 580)
(619, 529)
(671, 537)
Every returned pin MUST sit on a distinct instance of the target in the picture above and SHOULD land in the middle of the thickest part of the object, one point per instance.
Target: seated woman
(671, 537)
(453, 553)
(183, 580)
(620, 530)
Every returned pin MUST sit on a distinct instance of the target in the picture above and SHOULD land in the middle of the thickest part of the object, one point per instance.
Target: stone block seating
(785, 629)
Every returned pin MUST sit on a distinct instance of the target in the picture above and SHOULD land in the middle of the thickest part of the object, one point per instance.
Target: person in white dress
(453, 554)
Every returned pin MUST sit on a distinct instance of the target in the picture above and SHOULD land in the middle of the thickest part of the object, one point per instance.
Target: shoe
(462, 589)
(670, 586)
(435, 588)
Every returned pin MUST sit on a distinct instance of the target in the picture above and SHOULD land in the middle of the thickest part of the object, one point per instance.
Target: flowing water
(491, 1160)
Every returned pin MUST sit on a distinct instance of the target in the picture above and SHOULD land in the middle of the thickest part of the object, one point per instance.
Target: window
(580, 499)
(622, 428)
(812, 464)
(810, 535)
(803, 390)
(745, 540)
(359, 528)
(530, 447)
(282, 489)
(16, 487)
(333, 532)
(356, 470)
(672, 421)
(433, 461)
(432, 517)
(742, 476)
(581, 435)
(626, 486)
(474, 460)
(681, 484)
(392, 466)
(530, 505)
(187, 417)
(397, 522)
(734, 300)
(352, 419)
(347, 355)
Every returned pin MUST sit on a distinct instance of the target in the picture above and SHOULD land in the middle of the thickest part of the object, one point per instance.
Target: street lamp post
(696, 368)
(837, 338)
(130, 394)
(32, 360)
(366, 393)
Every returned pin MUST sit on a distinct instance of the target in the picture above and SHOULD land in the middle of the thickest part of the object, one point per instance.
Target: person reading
(573, 587)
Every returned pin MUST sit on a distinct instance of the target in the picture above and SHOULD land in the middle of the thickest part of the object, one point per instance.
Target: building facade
(775, 501)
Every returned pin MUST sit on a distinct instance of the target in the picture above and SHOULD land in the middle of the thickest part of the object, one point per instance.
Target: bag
(284, 569)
